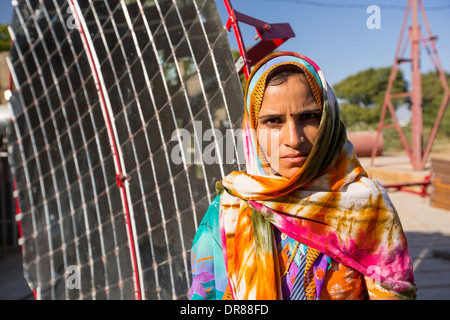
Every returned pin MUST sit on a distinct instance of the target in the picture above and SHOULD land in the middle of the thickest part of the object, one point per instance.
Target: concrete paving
(427, 230)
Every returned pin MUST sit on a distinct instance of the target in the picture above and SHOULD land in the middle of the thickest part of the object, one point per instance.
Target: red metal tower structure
(417, 155)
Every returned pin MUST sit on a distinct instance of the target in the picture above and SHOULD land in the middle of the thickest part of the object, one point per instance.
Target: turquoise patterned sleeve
(209, 278)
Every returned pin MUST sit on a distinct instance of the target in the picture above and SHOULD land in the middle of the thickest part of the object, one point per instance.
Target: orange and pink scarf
(330, 204)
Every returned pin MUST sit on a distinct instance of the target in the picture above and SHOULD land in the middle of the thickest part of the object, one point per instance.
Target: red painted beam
(271, 35)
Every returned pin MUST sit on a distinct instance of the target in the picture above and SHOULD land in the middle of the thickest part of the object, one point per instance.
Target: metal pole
(443, 80)
(417, 124)
(232, 21)
(388, 95)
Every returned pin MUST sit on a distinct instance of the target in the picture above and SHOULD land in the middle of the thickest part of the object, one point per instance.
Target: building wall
(4, 76)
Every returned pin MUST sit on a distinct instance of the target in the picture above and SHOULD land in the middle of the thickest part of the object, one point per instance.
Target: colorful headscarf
(330, 204)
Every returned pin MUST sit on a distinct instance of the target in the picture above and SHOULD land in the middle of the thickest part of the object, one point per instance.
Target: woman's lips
(294, 158)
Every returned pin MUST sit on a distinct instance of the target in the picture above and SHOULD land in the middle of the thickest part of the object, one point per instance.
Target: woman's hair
(279, 75)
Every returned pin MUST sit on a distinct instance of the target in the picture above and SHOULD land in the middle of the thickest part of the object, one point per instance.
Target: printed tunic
(305, 272)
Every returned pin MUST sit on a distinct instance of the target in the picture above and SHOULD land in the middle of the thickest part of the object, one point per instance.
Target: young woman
(304, 221)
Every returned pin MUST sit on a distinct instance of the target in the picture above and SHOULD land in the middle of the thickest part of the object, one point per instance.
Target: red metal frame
(271, 35)
(119, 175)
(416, 154)
(401, 186)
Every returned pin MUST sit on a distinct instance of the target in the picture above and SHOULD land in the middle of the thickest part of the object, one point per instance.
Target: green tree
(432, 95)
(4, 38)
(361, 96)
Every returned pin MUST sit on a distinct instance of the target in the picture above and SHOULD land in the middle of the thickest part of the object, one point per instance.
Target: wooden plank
(440, 196)
(436, 160)
(440, 205)
(442, 178)
(441, 200)
(440, 166)
(439, 185)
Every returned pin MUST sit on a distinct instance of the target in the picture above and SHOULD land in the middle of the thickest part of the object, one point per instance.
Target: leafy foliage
(361, 100)
(361, 96)
(432, 96)
(4, 38)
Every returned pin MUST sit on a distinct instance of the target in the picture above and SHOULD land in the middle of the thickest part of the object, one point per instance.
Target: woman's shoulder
(365, 184)
(210, 221)
(215, 203)
(212, 214)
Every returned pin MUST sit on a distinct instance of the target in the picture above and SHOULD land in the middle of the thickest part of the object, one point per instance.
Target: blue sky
(335, 37)
(338, 39)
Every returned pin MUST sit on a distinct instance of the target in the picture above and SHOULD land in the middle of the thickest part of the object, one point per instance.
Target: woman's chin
(289, 172)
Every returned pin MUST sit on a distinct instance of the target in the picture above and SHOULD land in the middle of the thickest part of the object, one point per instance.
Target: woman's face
(288, 124)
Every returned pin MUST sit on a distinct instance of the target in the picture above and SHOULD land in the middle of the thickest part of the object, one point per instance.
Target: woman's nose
(293, 134)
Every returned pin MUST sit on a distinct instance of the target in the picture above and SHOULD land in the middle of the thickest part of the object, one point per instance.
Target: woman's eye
(272, 121)
(310, 116)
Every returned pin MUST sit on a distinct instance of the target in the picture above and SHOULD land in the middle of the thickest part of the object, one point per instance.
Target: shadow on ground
(429, 252)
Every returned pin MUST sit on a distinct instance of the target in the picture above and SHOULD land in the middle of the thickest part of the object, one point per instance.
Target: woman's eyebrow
(307, 111)
(313, 110)
(270, 116)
